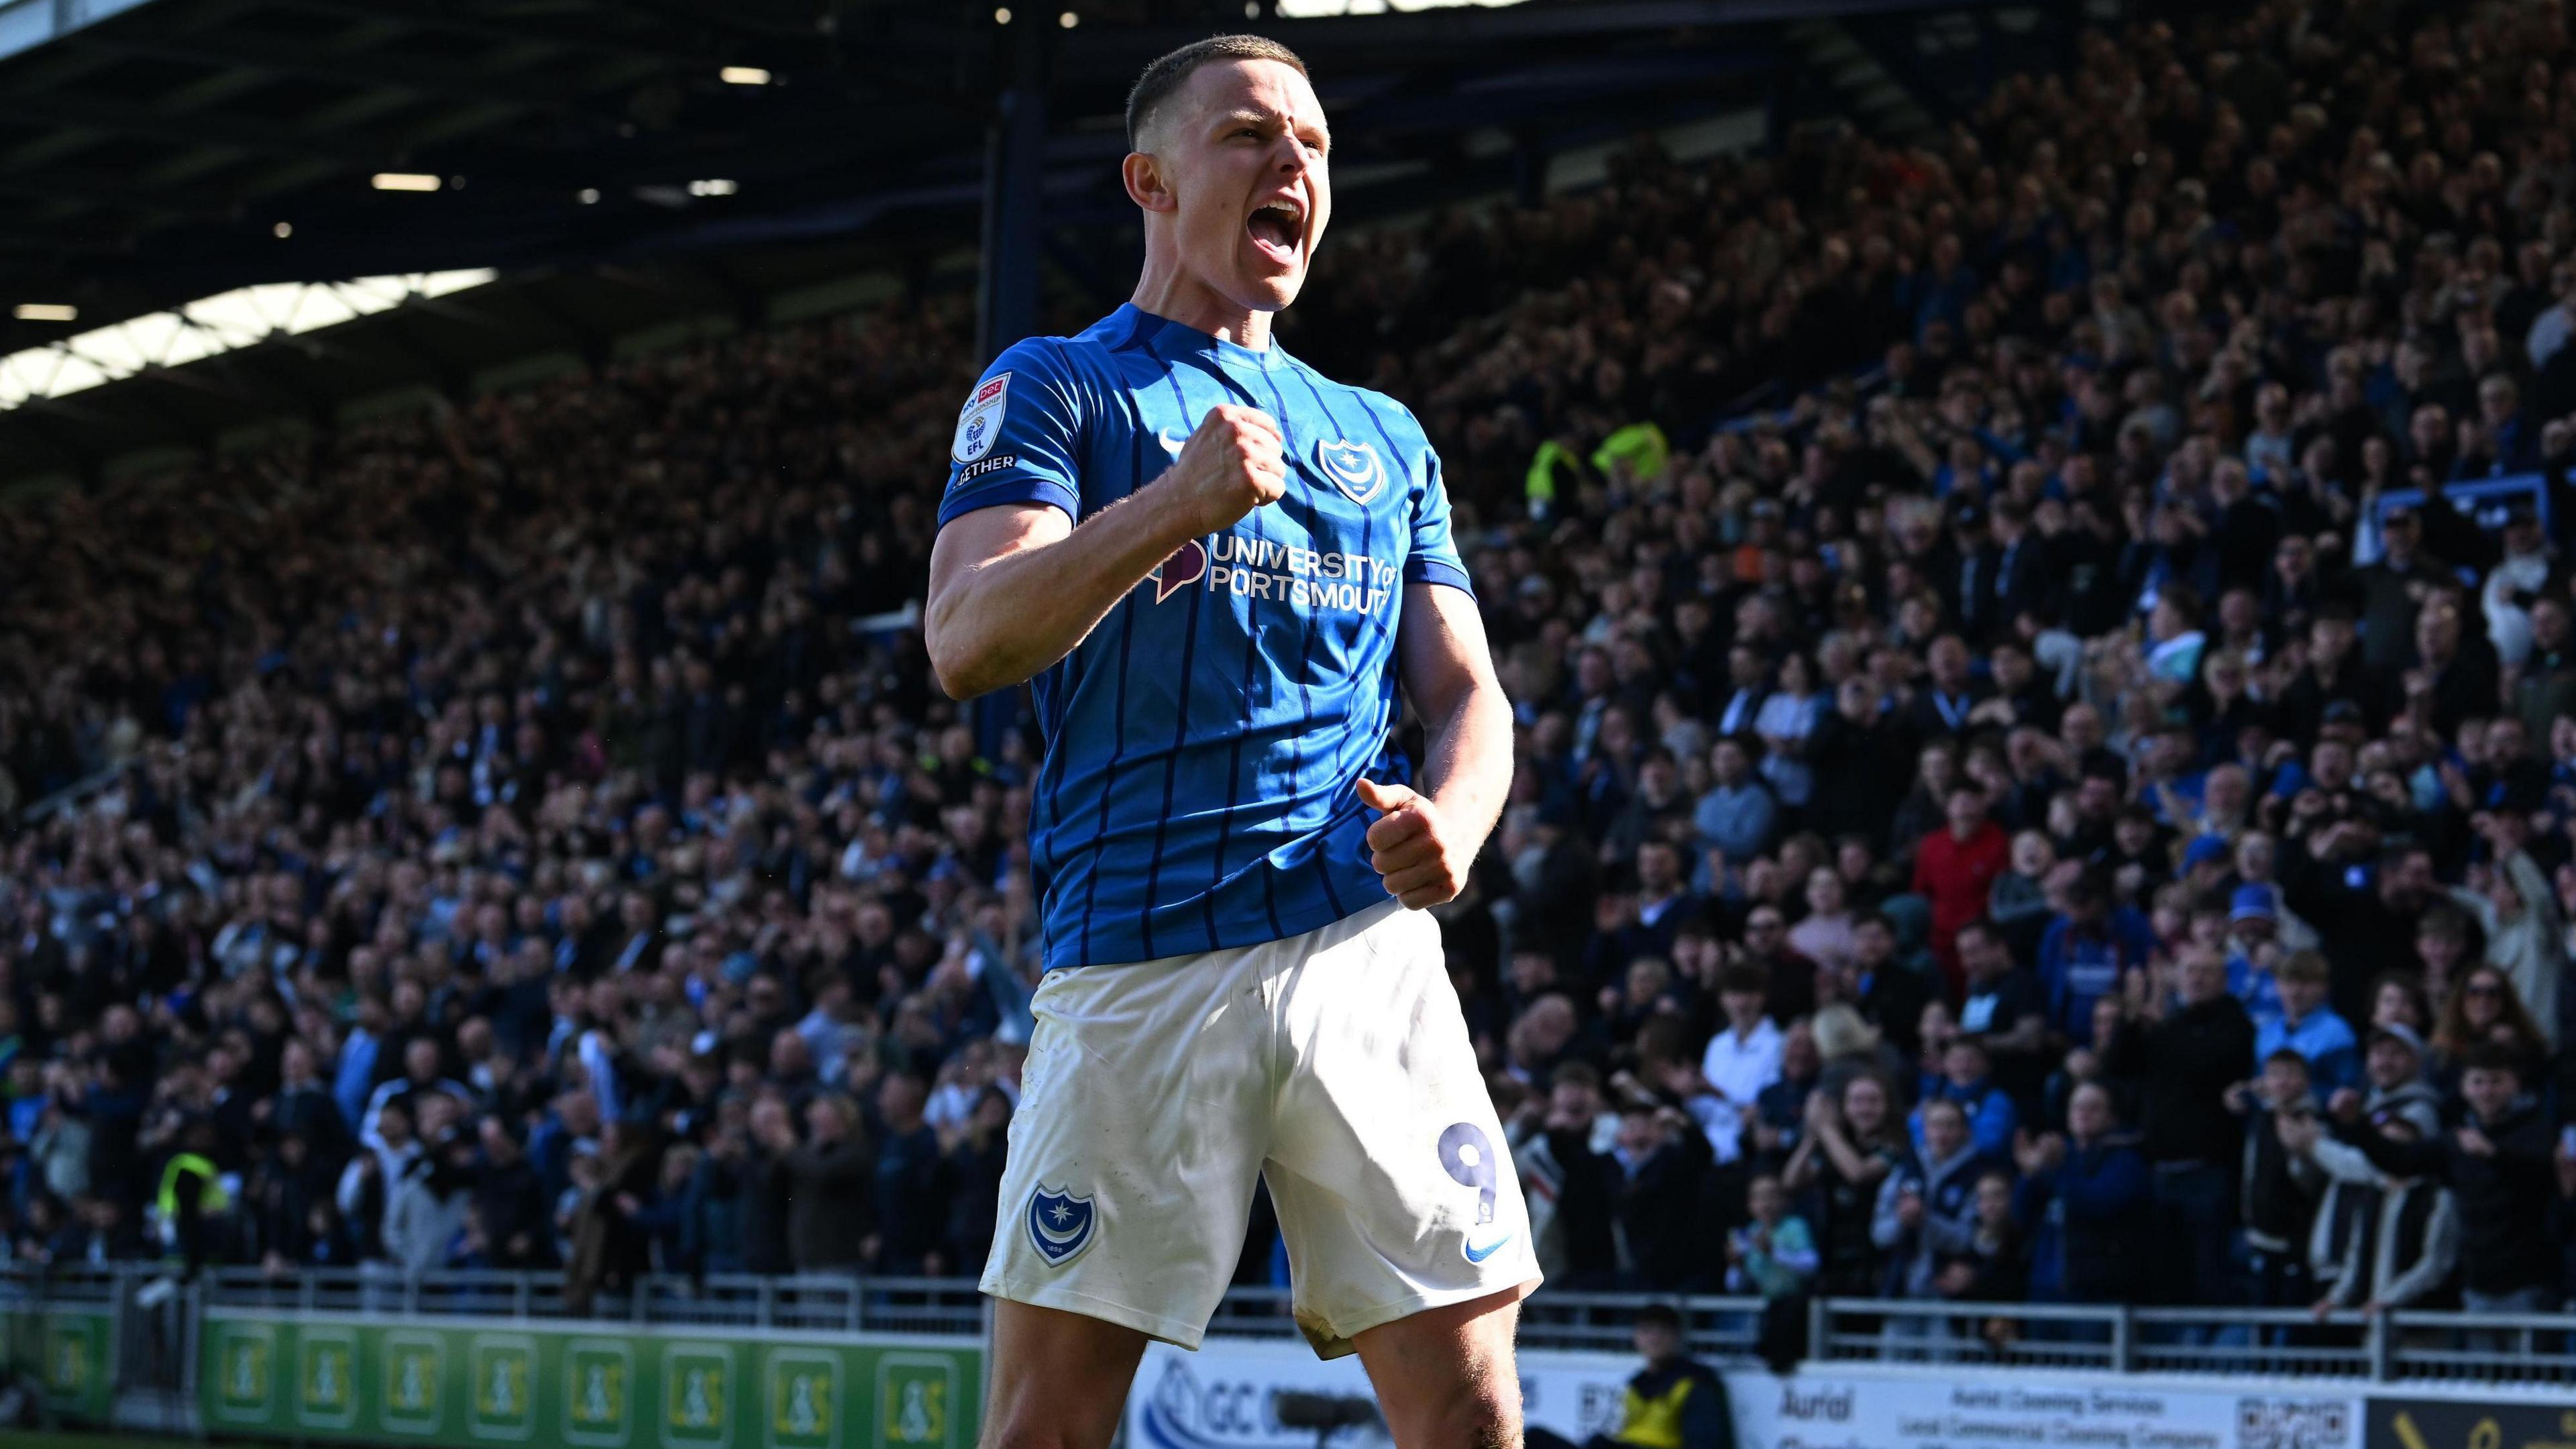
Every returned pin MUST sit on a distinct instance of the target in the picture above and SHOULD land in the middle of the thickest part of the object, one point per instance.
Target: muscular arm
(1014, 587)
(1427, 839)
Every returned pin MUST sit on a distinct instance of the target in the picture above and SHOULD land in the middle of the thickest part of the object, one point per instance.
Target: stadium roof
(627, 165)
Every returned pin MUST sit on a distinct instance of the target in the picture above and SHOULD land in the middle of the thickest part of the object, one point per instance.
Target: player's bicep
(974, 540)
(1440, 648)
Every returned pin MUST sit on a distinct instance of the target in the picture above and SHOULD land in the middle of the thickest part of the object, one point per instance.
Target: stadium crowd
(2075, 802)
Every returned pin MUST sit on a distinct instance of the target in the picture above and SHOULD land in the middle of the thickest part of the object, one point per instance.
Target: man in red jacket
(1955, 867)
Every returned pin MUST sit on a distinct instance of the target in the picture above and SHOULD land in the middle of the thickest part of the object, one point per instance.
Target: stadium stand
(2069, 803)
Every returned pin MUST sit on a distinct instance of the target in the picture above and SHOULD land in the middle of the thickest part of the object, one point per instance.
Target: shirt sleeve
(1019, 435)
(1433, 558)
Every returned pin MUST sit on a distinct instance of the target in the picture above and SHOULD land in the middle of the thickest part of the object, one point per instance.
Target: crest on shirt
(981, 421)
(1354, 467)
(1186, 566)
(1060, 1224)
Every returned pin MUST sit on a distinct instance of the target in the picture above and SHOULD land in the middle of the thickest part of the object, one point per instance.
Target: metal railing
(2404, 1346)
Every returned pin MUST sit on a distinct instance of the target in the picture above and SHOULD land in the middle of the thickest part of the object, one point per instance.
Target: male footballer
(1215, 566)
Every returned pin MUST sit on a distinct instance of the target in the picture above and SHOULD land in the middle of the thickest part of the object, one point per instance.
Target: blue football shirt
(1202, 743)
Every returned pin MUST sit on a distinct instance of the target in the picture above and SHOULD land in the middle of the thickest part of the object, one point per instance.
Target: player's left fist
(1410, 847)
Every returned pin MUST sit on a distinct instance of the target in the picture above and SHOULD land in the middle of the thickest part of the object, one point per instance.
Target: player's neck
(1175, 296)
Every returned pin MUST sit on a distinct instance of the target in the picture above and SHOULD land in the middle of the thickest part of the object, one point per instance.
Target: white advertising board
(1223, 1397)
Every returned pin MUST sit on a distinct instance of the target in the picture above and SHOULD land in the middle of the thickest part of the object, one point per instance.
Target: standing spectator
(828, 1182)
(1955, 867)
(2310, 1028)
(2089, 1194)
(1850, 1149)
(2277, 1188)
(1927, 1211)
(910, 1192)
(1741, 1061)
(2185, 1059)
(2498, 1161)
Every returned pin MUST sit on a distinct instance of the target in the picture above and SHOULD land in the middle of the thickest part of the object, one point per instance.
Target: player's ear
(1146, 184)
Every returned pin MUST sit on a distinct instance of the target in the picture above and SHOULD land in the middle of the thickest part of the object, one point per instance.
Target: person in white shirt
(1742, 1059)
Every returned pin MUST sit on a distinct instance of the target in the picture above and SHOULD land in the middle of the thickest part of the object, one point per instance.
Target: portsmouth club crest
(1060, 1224)
(1355, 468)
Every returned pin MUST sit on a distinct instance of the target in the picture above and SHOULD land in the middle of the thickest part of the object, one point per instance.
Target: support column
(1006, 299)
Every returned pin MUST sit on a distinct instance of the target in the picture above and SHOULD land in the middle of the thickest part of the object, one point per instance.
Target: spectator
(1773, 1254)
(1849, 1150)
(2088, 1195)
(1742, 1060)
(826, 1181)
(1955, 867)
(2310, 1028)
(911, 1188)
(1927, 1212)
(2498, 1162)
(2185, 1059)
(2277, 1188)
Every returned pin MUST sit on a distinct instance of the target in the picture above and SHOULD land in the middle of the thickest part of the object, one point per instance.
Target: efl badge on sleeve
(981, 422)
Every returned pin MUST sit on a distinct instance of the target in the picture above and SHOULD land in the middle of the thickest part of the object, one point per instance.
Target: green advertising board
(66, 1352)
(583, 1386)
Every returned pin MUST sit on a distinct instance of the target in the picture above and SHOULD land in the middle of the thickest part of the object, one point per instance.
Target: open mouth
(1278, 228)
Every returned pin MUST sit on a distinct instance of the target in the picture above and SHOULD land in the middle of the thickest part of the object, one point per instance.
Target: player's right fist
(1232, 465)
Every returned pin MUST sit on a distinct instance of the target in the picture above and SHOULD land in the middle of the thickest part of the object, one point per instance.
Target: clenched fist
(1410, 845)
(1232, 465)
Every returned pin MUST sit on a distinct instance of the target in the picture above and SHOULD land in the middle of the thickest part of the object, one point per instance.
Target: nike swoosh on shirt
(1476, 1254)
(1168, 441)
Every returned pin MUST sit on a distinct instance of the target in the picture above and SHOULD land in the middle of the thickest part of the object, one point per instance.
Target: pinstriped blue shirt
(1202, 742)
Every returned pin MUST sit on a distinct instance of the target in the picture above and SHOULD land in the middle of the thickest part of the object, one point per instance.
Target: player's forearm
(1002, 621)
(1468, 769)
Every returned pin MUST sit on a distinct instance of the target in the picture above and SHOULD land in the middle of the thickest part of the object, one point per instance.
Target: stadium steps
(1873, 97)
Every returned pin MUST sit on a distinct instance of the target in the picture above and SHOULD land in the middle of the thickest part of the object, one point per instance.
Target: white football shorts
(1335, 1064)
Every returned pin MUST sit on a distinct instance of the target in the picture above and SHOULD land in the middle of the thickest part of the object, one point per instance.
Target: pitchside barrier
(364, 1358)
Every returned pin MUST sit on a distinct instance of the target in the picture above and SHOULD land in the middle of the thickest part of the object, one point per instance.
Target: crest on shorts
(1060, 1224)
(1353, 467)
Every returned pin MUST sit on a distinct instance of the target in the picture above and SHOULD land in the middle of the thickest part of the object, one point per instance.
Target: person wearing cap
(2514, 581)
(2308, 1026)
(2392, 1063)
(2253, 929)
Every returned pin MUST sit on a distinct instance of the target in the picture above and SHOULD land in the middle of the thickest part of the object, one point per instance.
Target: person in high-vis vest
(1674, 1402)
(192, 1197)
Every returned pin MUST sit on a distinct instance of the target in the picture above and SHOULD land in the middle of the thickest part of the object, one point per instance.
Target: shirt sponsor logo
(1187, 564)
(980, 422)
(1355, 468)
(1263, 568)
